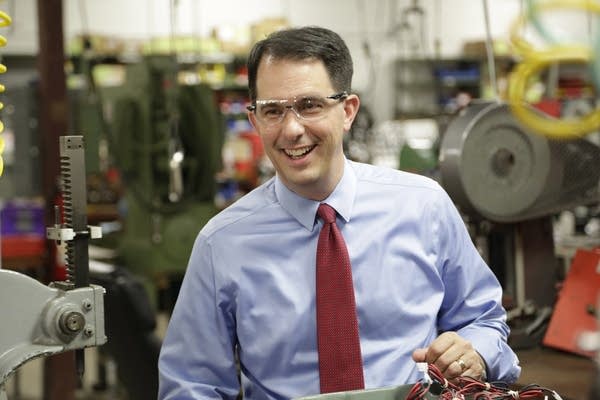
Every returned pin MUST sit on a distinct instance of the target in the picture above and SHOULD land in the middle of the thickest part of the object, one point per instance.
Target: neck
(321, 190)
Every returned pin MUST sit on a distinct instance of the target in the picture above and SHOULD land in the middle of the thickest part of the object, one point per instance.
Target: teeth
(297, 152)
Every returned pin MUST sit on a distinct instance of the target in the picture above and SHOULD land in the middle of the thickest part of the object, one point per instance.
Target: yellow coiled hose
(535, 61)
(4, 21)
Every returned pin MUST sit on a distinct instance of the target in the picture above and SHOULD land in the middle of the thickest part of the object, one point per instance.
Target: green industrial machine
(165, 140)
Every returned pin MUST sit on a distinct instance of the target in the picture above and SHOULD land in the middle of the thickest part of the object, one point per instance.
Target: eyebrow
(271, 101)
(302, 96)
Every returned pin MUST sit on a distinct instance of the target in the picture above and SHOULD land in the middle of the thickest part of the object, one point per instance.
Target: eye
(310, 105)
(271, 110)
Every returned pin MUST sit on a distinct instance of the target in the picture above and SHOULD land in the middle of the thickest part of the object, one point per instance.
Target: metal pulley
(495, 168)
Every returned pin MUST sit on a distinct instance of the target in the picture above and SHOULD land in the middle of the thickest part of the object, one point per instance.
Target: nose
(289, 108)
(292, 125)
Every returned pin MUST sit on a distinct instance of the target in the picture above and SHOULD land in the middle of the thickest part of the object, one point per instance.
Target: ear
(252, 119)
(351, 106)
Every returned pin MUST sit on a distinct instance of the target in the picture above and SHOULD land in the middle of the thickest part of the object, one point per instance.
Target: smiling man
(304, 144)
(411, 286)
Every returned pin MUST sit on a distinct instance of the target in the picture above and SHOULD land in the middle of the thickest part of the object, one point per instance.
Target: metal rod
(489, 47)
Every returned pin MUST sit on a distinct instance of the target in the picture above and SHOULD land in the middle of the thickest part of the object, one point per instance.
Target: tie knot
(327, 213)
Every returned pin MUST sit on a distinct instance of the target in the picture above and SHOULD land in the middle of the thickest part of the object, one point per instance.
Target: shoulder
(386, 178)
(241, 212)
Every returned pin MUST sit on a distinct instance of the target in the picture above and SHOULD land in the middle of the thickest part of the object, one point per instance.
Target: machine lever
(176, 176)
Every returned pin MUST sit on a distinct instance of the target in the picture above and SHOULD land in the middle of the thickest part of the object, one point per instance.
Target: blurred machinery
(153, 147)
(164, 139)
(23, 178)
(509, 182)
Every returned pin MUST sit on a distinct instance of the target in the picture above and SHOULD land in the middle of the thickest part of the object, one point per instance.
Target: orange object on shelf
(576, 310)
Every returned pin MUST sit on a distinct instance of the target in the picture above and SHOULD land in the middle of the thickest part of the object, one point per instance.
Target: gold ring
(461, 364)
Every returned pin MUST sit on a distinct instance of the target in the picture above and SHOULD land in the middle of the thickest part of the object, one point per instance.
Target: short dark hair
(305, 43)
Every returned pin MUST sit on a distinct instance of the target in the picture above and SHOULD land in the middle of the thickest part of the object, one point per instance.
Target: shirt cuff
(501, 362)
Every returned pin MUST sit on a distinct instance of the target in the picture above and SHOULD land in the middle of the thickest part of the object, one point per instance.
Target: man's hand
(453, 356)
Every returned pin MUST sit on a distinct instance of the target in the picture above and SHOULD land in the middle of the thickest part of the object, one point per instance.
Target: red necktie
(340, 360)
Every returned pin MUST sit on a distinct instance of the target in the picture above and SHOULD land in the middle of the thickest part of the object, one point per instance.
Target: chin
(303, 179)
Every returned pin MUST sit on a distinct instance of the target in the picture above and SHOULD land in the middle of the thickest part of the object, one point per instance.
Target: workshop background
(497, 103)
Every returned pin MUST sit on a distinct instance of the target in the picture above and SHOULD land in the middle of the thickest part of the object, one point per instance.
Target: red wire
(467, 387)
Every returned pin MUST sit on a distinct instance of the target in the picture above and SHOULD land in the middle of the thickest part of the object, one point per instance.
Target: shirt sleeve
(197, 356)
(472, 304)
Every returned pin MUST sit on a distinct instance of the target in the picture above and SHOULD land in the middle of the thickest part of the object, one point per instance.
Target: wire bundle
(462, 388)
(536, 60)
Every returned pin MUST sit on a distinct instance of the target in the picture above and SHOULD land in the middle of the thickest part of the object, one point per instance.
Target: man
(421, 290)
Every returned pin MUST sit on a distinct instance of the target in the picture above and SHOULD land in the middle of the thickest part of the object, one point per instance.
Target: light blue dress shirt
(250, 282)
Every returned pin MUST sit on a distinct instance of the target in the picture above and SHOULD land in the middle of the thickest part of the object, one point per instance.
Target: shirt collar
(304, 210)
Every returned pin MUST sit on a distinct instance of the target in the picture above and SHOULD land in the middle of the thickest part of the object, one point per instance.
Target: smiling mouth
(298, 153)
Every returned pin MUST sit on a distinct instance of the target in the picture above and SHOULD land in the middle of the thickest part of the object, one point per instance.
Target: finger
(437, 348)
(462, 367)
(449, 361)
(455, 360)
(472, 373)
(446, 361)
(454, 369)
(447, 340)
(462, 364)
(475, 367)
(419, 355)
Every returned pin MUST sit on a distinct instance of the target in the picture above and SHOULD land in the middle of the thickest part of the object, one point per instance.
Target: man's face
(307, 155)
